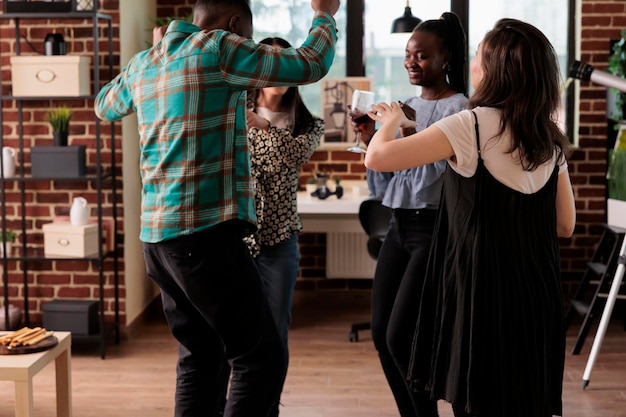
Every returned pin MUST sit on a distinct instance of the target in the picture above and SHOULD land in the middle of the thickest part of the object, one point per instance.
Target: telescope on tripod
(586, 72)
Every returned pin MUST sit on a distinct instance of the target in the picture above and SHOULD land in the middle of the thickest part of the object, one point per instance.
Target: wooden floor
(328, 376)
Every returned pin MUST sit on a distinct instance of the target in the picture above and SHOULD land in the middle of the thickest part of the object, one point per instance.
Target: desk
(330, 215)
(22, 368)
(346, 242)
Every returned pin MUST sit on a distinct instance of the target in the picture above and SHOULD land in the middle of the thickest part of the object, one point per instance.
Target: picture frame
(336, 94)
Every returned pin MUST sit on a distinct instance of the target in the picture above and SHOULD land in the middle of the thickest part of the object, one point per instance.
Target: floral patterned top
(276, 157)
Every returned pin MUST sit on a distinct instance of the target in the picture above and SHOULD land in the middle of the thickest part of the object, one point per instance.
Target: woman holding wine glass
(435, 60)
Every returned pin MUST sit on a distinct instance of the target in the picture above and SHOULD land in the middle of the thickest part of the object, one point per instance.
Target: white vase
(79, 213)
(9, 246)
(8, 161)
(310, 188)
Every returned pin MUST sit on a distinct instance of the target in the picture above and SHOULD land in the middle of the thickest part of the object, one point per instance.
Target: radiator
(347, 257)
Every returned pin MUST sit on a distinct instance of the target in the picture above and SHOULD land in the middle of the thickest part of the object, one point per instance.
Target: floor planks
(328, 376)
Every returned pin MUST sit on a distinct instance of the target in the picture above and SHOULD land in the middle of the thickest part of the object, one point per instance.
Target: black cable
(32, 47)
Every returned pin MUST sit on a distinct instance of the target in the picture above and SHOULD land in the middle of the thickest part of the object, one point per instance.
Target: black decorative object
(21, 6)
(54, 44)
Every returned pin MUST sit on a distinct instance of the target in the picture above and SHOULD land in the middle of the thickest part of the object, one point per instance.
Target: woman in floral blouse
(282, 135)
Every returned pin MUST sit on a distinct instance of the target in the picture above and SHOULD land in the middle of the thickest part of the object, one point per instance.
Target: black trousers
(396, 295)
(216, 309)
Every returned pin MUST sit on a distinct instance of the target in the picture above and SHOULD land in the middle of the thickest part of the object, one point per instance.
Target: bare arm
(386, 154)
(565, 206)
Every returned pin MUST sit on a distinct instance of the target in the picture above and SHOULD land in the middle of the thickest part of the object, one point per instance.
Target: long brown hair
(521, 78)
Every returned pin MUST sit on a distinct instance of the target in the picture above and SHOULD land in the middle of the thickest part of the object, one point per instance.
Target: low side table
(22, 368)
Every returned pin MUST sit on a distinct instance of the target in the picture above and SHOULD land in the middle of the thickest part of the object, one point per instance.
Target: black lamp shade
(406, 22)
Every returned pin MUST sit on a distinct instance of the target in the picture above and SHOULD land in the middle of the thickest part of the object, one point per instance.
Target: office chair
(374, 218)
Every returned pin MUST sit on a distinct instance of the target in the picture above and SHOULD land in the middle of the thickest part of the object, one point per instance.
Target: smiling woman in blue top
(189, 93)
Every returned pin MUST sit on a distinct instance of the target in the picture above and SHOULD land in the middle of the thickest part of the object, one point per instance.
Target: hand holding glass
(361, 103)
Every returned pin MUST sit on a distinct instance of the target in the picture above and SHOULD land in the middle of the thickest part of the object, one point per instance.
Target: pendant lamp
(406, 22)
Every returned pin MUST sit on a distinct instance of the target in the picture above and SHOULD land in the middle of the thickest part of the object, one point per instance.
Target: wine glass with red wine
(361, 103)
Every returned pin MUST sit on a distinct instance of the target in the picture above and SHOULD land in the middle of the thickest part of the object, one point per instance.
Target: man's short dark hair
(213, 7)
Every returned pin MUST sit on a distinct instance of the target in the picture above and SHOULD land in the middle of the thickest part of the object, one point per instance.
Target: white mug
(8, 161)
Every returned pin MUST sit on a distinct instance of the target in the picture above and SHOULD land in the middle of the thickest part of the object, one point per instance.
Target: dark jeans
(396, 293)
(216, 309)
(278, 266)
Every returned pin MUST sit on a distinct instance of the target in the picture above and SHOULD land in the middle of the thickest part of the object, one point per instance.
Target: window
(291, 20)
(549, 17)
(384, 51)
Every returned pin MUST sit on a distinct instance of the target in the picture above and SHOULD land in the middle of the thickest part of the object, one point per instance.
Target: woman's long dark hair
(521, 77)
(299, 115)
(452, 39)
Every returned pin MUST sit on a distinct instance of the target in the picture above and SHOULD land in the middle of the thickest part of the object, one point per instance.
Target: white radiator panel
(347, 257)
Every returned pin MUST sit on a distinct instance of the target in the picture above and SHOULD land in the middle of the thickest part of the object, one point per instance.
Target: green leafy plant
(617, 67)
(617, 168)
(164, 21)
(59, 119)
(8, 236)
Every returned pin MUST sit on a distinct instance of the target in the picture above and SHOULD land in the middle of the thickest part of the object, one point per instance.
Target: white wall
(136, 21)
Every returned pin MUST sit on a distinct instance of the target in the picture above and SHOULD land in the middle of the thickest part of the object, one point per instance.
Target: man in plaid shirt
(188, 91)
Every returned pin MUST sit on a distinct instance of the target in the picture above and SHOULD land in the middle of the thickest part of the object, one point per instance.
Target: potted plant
(338, 187)
(59, 120)
(617, 67)
(616, 173)
(7, 238)
(616, 181)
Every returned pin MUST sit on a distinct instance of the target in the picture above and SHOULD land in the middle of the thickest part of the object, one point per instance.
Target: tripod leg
(606, 314)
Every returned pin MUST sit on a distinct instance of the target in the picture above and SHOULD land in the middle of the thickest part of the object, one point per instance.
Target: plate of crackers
(27, 340)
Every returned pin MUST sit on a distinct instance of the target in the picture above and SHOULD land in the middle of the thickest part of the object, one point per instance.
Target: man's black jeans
(216, 309)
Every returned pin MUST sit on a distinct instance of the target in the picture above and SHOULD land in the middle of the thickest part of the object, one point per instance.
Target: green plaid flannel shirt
(189, 95)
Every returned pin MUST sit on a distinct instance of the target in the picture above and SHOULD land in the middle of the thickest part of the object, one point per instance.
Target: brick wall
(47, 199)
(602, 21)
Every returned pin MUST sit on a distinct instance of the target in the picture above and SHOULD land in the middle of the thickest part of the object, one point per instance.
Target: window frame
(355, 57)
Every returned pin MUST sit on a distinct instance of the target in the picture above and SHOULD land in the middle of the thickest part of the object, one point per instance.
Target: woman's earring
(445, 66)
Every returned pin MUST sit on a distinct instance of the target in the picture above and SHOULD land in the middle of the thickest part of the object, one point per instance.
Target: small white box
(616, 213)
(50, 75)
(67, 240)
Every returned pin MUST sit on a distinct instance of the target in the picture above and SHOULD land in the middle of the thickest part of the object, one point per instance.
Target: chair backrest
(374, 218)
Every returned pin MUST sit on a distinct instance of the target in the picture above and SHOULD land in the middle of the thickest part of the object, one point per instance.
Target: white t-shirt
(276, 119)
(504, 166)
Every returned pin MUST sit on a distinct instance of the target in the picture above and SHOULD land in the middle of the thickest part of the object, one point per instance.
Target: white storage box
(616, 213)
(50, 75)
(66, 240)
